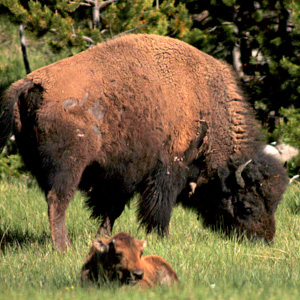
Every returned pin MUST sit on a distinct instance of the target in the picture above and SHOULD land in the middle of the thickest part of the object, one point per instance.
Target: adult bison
(150, 114)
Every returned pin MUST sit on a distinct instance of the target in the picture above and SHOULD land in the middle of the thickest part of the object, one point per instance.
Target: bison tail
(7, 105)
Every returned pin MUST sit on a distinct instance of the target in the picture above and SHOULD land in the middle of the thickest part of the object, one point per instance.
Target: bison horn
(193, 186)
(238, 173)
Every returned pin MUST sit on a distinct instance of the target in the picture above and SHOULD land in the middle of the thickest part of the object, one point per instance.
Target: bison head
(242, 197)
(115, 259)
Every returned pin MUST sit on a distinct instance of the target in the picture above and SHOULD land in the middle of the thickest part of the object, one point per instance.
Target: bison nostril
(138, 274)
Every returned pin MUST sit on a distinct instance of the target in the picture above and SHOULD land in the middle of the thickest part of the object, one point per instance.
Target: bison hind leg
(60, 189)
(159, 195)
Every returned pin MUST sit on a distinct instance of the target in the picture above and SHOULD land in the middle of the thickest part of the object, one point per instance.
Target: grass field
(209, 265)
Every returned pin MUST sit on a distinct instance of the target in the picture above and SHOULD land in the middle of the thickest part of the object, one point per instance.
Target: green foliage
(293, 166)
(10, 55)
(267, 33)
(124, 16)
(289, 126)
(11, 166)
(288, 130)
(209, 265)
(68, 24)
(11, 61)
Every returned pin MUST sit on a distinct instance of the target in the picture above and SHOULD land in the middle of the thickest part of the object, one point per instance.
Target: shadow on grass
(11, 238)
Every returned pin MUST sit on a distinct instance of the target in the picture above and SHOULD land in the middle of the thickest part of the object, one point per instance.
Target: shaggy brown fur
(120, 259)
(149, 114)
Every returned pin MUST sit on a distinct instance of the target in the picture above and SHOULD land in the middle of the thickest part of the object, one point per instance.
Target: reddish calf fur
(120, 259)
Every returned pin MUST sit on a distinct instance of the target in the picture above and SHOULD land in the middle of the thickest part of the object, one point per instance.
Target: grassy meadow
(209, 265)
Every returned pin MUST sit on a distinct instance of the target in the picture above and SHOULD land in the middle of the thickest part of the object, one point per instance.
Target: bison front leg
(160, 193)
(57, 206)
(107, 200)
(110, 216)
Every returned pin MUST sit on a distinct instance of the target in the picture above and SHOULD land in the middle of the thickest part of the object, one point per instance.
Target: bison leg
(107, 201)
(105, 227)
(108, 222)
(117, 205)
(56, 213)
(159, 197)
(109, 217)
(58, 195)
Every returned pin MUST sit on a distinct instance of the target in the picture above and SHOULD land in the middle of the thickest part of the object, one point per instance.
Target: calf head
(115, 259)
(242, 197)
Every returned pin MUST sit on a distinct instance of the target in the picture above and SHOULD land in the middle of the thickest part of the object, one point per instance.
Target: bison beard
(147, 114)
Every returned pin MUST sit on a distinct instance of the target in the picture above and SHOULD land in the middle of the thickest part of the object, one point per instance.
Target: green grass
(209, 265)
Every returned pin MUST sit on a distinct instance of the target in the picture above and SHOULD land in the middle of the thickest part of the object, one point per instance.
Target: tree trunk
(23, 47)
(236, 55)
(96, 15)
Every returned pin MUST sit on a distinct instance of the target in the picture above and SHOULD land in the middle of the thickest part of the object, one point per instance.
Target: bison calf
(119, 259)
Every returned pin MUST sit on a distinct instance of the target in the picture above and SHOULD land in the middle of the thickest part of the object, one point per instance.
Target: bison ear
(101, 245)
(223, 174)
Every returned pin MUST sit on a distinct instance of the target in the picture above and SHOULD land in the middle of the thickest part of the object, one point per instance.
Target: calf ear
(101, 245)
(143, 243)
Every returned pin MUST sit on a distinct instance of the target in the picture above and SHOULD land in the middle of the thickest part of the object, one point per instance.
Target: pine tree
(78, 24)
(260, 39)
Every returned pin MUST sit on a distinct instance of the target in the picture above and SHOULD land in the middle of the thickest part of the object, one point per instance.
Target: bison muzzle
(147, 114)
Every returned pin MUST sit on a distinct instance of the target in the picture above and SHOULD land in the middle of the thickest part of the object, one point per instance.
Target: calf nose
(137, 274)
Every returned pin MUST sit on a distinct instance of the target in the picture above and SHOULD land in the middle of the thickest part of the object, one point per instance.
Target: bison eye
(248, 209)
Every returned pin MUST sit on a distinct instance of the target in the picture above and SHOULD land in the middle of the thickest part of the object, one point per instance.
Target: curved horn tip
(248, 162)
(238, 173)
(243, 166)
